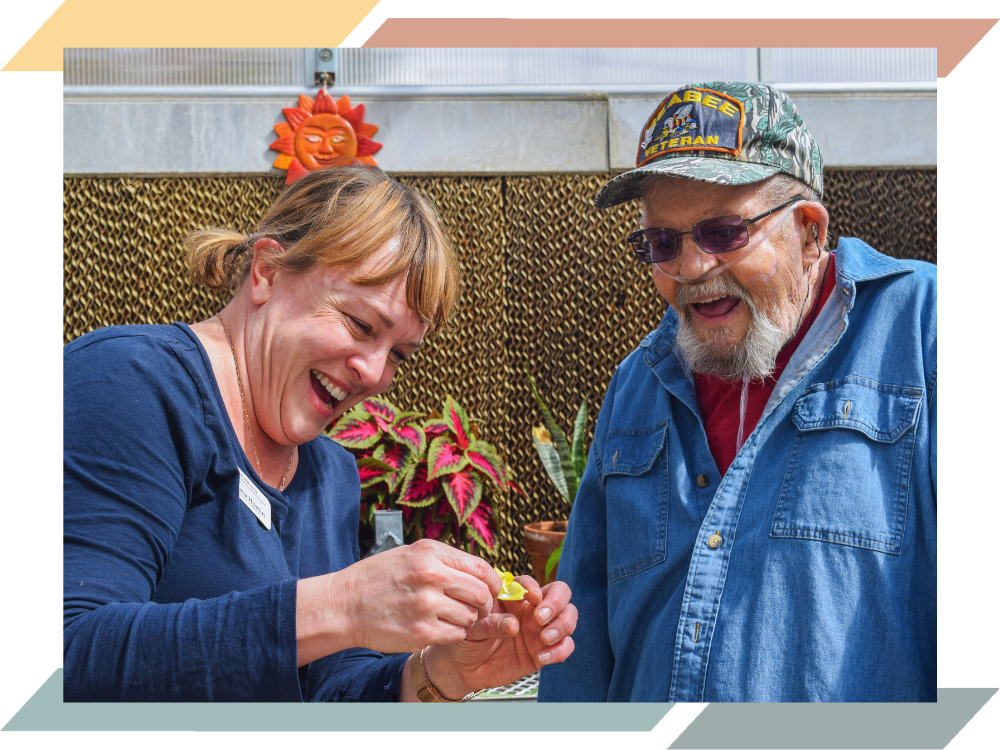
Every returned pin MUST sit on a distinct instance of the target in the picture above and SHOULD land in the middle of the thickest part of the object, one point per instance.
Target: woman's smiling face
(318, 343)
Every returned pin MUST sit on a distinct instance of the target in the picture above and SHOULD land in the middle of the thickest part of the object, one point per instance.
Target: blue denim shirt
(824, 585)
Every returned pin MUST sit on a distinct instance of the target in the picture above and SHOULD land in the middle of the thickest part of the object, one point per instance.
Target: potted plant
(436, 470)
(564, 462)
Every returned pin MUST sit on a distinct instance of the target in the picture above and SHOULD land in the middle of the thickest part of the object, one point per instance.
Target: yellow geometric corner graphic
(185, 23)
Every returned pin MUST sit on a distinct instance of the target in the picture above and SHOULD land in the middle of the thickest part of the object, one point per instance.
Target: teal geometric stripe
(45, 711)
(721, 725)
(844, 726)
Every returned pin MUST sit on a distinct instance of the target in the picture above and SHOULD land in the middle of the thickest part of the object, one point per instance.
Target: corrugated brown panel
(470, 360)
(893, 210)
(578, 303)
(122, 255)
(549, 285)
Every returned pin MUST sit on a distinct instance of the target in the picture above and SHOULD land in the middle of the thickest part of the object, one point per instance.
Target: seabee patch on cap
(693, 119)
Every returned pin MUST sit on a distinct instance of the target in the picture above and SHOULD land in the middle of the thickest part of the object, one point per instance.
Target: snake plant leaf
(579, 454)
(558, 440)
(553, 560)
(550, 459)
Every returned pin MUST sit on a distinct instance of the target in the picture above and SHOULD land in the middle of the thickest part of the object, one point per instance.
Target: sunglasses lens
(653, 245)
(721, 235)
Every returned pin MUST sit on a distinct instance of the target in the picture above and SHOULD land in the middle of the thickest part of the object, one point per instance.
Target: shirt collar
(859, 262)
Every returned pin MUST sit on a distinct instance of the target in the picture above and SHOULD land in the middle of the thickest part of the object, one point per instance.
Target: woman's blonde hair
(340, 216)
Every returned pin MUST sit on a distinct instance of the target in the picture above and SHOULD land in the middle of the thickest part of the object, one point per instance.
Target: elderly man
(757, 520)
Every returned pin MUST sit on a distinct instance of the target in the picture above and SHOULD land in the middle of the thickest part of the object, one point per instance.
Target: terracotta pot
(540, 540)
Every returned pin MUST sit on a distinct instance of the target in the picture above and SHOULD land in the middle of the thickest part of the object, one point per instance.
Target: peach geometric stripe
(181, 23)
(953, 37)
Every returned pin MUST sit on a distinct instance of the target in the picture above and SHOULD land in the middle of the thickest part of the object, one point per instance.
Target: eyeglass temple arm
(776, 208)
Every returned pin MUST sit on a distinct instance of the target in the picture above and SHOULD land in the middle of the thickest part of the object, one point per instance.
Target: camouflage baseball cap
(728, 133)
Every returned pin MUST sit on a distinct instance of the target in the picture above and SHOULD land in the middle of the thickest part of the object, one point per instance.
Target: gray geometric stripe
(835, 725)
(720, 725)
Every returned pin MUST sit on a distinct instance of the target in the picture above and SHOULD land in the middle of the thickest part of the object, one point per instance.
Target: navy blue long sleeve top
(173, 590)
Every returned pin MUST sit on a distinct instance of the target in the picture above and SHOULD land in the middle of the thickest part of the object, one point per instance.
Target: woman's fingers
(555, 598)
(494, 626)
(555, 654)
(564, 624)
(533, 592)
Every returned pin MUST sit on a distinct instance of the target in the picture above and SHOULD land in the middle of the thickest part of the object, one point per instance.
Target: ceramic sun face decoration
(323, 133)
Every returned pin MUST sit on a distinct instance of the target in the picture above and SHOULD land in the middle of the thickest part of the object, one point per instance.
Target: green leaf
(381, 407)
(463, 489)
(553, 561)
(444, 457)
(409, 416)
(558, 440)
(397, 477)
(354, 433)
(579, 452)
(458, 422)
(372, 471)
(415, 490)
(483, 457)
(550, 460)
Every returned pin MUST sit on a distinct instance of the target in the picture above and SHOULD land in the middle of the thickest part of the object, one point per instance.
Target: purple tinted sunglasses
(722, 234)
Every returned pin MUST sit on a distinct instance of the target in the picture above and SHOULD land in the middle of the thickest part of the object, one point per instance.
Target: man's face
(735, 323)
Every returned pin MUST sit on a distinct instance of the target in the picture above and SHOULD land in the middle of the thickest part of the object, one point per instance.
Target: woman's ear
(261, 270)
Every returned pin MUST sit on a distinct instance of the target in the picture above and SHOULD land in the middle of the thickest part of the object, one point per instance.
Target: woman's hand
(399, 600)
(514, 640)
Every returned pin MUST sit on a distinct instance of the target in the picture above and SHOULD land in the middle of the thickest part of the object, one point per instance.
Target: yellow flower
(542, 435)
(511, 590)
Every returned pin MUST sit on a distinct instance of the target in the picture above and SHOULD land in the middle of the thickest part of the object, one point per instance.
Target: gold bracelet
(426, 692)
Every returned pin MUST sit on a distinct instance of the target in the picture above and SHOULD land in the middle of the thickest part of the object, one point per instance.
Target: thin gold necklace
(246, 415)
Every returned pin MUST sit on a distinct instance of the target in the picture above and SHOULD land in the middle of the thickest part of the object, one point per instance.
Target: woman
(211, 531)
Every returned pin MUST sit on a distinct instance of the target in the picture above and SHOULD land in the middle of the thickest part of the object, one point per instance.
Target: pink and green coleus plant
(436, 470)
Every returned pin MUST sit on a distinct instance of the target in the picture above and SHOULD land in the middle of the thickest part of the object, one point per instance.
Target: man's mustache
(720, 286)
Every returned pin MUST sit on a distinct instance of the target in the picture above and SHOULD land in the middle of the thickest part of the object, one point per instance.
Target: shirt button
(702, 480)
(715, 541)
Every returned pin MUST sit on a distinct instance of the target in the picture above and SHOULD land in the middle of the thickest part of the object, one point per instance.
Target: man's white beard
(754, 357)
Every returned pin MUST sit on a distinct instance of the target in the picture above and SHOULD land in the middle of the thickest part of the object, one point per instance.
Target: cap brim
(625, 187)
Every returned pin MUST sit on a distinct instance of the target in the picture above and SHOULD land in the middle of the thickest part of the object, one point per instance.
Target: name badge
(254, 499)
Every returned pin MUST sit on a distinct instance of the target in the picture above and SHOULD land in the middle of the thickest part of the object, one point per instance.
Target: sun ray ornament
(323, 133)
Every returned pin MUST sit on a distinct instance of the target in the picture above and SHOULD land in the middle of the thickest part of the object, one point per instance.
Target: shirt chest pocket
(848, 475)
(635, 475)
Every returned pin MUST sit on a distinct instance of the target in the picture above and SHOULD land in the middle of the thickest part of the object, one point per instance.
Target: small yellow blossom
(542, 435)
(511, 590)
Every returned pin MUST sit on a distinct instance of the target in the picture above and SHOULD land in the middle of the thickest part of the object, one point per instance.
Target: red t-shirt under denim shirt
(719, 399)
